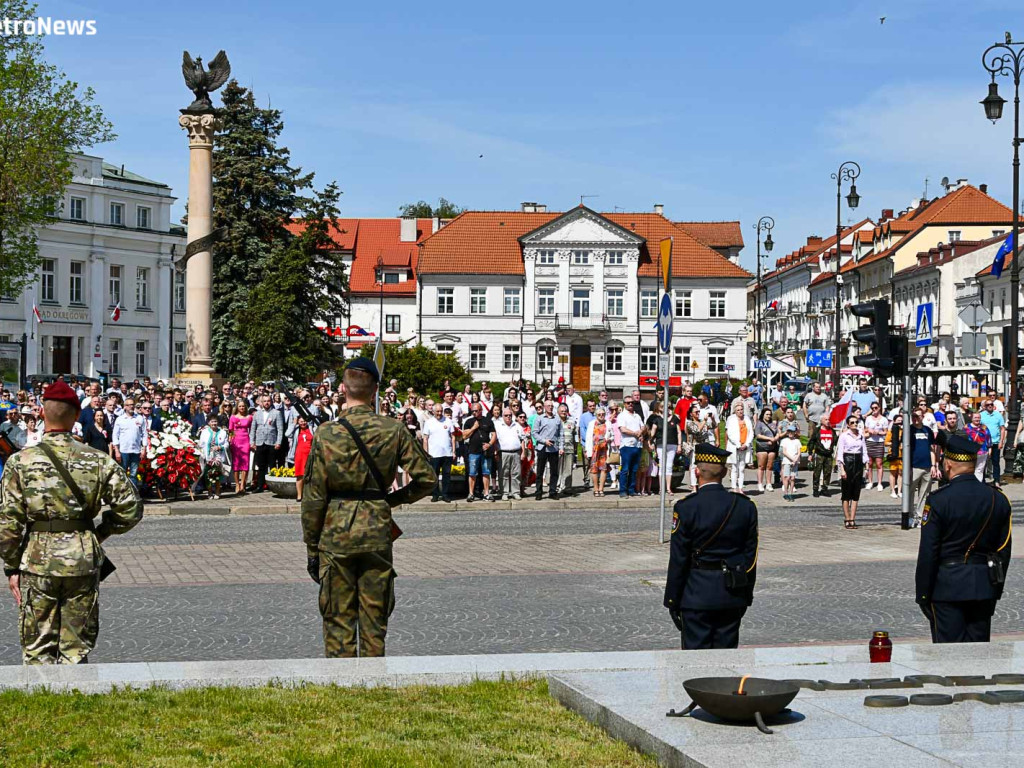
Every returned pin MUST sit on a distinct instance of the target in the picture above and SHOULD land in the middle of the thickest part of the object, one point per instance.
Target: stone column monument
(200, 120)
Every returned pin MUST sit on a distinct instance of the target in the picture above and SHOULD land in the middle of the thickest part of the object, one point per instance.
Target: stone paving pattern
(480, 578)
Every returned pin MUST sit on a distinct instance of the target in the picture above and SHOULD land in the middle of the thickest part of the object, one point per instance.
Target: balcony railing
(582, 323)
(827, 306)
(798, 307)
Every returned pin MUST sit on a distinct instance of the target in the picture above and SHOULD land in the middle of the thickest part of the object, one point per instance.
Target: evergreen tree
(303, 285)
(256, 192)
(421, 368)
(44, 117)
(421, 209)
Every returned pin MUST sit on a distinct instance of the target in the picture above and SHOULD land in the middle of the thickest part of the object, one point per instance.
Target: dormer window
(391, 278)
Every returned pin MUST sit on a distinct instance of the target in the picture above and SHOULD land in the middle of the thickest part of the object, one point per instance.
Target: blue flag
(997, 262)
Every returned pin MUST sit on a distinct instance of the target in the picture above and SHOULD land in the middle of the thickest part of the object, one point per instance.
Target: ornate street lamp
(848, 171)
(765, 224)
(1006, 59)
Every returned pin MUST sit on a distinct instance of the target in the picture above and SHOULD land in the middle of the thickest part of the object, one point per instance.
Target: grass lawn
(509, 723)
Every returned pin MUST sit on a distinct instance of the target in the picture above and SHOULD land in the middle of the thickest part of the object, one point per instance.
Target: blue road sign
(924, 326)
(665, 323)
(762, 364)
(819, 358)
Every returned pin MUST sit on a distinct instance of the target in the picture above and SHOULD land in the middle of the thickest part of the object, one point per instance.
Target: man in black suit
(713, 559)
(964, 551)
(199, 420)
(153, 421)
(89, 412)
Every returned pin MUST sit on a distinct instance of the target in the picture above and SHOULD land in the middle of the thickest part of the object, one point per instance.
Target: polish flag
(35, 311)
(841, 409)
(116, 314)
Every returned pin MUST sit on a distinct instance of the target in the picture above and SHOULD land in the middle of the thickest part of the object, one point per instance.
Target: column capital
(200, 129)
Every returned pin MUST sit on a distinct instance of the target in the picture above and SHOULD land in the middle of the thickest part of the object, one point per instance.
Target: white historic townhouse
(994, 294)
(575, 295)
(110, 243)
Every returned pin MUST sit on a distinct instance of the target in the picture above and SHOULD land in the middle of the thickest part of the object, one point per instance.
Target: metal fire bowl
(717, 695)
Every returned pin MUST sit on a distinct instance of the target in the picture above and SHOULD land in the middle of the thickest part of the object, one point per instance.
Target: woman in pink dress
(238, 428)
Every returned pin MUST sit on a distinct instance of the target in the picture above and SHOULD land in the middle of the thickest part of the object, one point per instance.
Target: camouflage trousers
(357, 595)
(60, 618)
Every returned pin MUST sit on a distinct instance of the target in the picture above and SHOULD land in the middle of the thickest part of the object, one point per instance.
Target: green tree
(423, 210)
(304, 284)
(44, 117)
(420, 368)
(256, 191)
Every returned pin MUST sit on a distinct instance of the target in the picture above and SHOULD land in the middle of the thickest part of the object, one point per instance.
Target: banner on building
(10, 365)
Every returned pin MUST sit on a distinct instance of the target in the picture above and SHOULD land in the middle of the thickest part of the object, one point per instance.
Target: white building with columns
(110, 243)
(545, 295)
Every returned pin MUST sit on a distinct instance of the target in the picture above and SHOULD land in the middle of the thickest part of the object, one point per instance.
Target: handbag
(614, 457)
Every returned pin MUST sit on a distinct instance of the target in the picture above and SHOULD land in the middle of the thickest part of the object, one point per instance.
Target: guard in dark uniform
(713, 560)
(964, 552)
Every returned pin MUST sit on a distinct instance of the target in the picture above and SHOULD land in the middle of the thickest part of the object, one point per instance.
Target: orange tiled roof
(806, 253)
(343, 235)
(487, 242)
(717, 234)
(824, 277)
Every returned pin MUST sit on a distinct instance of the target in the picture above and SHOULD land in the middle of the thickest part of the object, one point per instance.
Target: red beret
(63, 393)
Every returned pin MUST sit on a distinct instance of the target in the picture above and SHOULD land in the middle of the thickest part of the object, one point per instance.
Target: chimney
(887, 213)
(813, 240)
(983, 188)
(528, 207)
(542, 208)
(959, 183)
(435, 224)
(408, 230)
(659, 209)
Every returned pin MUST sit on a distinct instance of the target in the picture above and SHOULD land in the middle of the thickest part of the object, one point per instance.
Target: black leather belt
(973, 558)
(708, 565)
(366, 495)
(60, 526)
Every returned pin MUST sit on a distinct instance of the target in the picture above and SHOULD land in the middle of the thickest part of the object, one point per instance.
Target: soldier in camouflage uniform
(50, 550)
(346, 515)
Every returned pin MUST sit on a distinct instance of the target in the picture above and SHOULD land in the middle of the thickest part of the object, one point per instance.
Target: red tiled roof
(717, 234)
(967, 205)
(943, 254)
(806, 253)
(824, 277)
(370, 239)
(487, 242)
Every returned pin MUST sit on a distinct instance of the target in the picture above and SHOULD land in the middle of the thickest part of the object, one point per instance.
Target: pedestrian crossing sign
(924, 326)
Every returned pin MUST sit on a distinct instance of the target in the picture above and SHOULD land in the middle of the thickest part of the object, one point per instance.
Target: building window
(616, 303)
(478, 301)
(179, 290)
(513, 301)
(684, 304)
(179, 356)
(581, 257)
(445, 349)
(115, 356)
(580, 302)
(143, 217)
(478, 357)
(117, 214)
(142, 288)
(648, 359)
(77, 209)
(716, 360)
(391, 278)
(954, 235)
(545, 257)
(392, 323)
(546, 357)
(77, 271)
(510, 359)
(140, 358)
(115, 285)
(716, 304)
(48, 281)
(615, 258)
(648, 303)
(681, 359)
(613, 358)
(445, 301)
(546, 301)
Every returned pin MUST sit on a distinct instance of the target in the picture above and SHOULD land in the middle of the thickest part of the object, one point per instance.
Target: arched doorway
(580, 364)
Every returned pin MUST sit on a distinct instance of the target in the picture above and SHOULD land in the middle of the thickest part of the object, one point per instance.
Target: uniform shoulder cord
(974, 543)
(700, 550)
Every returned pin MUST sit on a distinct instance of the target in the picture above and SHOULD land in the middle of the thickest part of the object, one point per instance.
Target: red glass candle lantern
(880, 647)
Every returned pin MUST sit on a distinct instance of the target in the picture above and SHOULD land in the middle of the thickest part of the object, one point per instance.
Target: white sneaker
(879, 486)
(760, 488)
(894, 494)
(771, 488)
(868, 487)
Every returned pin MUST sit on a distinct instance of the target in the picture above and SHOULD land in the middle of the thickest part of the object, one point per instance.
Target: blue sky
(718, 111)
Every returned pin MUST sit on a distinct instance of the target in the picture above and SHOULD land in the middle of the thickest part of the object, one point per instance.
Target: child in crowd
(790, 450)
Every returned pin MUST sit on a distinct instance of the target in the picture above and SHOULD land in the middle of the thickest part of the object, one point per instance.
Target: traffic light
(880, 359)
(900, 355)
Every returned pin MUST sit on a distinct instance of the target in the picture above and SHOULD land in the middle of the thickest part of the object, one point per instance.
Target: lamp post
(765, 224)
(378, 273)
(848, 171)
(1007, 60)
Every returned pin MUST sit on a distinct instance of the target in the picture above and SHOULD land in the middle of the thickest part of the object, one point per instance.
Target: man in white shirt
(631, 426)
(439, 443)
(574, 403)
(510, 442)
(129, 432)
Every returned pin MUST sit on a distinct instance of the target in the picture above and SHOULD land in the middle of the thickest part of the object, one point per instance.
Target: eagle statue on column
(202, 81)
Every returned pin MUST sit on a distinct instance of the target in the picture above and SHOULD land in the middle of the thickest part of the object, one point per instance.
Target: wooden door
(581, 367)
(61, 354)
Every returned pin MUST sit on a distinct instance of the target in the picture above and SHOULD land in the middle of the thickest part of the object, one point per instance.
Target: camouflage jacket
(31, 491)
(335, 468)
